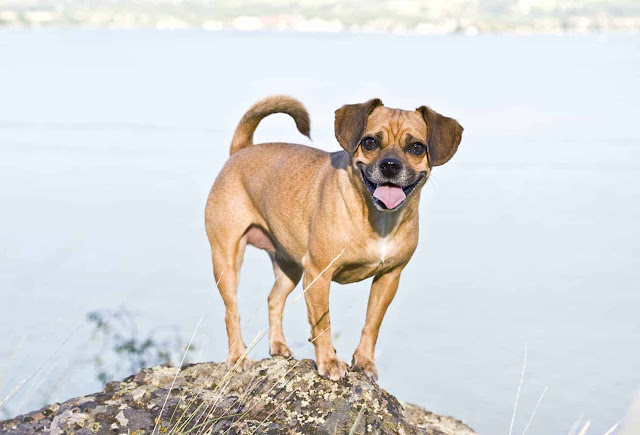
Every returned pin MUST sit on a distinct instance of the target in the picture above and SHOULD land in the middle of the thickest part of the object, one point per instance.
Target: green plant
(125, 350)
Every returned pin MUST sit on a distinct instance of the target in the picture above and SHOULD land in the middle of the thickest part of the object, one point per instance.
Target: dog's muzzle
(387, 196)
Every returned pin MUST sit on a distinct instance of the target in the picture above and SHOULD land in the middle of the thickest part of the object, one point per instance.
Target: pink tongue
(391, 196)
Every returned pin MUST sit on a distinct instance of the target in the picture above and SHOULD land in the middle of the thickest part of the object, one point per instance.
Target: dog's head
(392, 150)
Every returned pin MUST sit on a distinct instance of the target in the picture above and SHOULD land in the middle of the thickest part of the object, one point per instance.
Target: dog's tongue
(391, 196)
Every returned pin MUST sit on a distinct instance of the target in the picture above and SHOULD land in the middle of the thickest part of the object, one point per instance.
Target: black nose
(390, 167)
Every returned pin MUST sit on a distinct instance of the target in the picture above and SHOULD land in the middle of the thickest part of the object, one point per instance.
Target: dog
(344, 216)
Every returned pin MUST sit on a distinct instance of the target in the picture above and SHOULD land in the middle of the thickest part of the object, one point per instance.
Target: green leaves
(125, 350)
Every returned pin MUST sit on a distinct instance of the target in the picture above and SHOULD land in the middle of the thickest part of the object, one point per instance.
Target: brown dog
(342, 216)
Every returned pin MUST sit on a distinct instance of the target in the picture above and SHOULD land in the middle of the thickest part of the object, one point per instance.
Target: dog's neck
(385, 222)
(382, 222)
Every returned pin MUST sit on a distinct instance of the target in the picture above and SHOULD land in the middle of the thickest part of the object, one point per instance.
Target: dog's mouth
(388, 196)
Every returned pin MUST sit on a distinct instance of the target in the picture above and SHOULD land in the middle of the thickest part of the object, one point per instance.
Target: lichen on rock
(275, 396)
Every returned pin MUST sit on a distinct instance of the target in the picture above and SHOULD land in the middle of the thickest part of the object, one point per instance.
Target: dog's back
(268, 181)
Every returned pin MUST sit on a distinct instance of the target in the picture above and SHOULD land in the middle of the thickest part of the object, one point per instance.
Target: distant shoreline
(377, 17)
(348, 31)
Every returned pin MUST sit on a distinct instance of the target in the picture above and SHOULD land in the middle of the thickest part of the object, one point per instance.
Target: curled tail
(243, 136)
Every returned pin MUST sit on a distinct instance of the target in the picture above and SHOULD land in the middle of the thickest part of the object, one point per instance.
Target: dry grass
(515, 405)
(26, 381)
(572, 430)
(357, 422)
(184, 356)
(534, 410)
(271, 389)
(204, 412)
(208, 406)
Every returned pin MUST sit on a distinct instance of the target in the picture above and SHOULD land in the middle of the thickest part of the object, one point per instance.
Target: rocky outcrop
(275, 396)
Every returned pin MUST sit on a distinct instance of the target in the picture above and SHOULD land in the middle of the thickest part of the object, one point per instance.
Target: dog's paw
(366, 366)
(332, 368)
(238, 364)
(280, 348)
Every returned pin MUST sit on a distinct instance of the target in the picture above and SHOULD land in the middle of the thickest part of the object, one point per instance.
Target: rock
(275, 396)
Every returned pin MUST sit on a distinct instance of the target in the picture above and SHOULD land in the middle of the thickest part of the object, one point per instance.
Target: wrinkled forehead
(395, 125)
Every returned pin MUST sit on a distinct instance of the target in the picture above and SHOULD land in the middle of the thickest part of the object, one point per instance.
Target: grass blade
(524, 365)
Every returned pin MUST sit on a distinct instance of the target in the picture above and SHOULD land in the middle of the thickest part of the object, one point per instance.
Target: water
(110, 140)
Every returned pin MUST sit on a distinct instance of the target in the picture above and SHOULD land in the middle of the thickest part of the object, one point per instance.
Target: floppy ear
(351, 120)
(445, 135)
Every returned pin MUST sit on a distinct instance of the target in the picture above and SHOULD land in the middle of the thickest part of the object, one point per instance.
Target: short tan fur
(305, 206)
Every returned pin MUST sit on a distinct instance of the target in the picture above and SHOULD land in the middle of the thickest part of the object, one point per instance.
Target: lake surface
(110, 141)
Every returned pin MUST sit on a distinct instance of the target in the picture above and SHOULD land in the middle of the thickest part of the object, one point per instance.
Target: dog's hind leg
(227, 260)
(287, 275)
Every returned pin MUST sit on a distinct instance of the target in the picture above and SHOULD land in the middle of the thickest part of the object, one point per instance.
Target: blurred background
(116, 116)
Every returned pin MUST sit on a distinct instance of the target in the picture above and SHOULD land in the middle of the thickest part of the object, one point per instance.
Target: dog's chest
(372, 258)
(381, 251)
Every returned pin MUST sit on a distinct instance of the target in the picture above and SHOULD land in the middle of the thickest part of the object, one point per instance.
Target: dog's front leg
(316, 287)
(383, 290)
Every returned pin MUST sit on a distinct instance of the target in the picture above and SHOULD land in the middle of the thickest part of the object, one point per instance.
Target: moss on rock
(275, 396)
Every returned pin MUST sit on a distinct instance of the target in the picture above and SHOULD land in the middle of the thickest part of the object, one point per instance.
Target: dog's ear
(350, 122)
(445, 135)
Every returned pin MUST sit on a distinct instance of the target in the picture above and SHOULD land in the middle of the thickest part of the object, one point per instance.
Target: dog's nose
(390, 167)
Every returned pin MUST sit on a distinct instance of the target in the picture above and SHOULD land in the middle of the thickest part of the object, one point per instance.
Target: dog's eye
(417, 148)
(369, 143)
